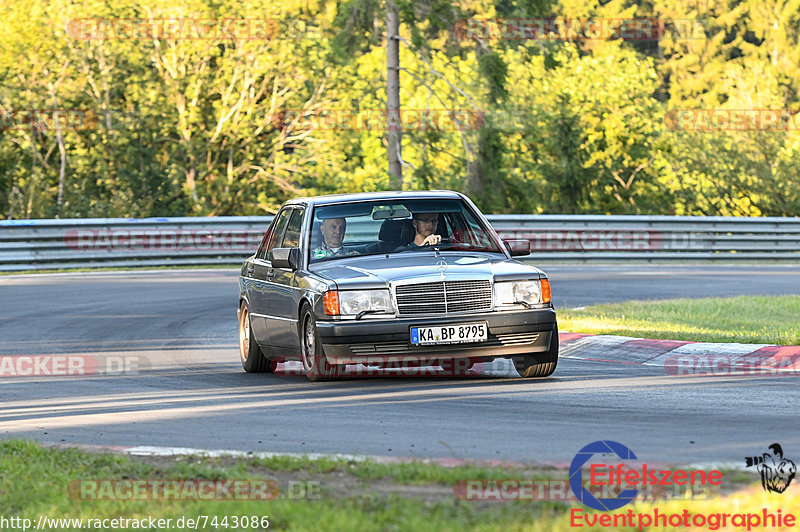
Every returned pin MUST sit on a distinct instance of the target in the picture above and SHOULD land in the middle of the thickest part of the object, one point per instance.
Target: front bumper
(379, 341)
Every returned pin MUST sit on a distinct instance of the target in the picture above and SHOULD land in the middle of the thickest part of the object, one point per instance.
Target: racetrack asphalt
(184, 387)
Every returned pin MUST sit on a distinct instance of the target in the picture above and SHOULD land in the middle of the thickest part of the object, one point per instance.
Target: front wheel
(529, 366)
(253, 361)
(315, 364)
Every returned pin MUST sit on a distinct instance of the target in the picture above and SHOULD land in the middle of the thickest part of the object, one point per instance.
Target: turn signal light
(330, 300)
(545, 291)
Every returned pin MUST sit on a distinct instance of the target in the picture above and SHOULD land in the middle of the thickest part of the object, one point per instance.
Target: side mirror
(288, 258)
(518, 248)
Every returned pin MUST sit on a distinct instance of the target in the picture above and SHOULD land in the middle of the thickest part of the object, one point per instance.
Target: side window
(292, 237)
(275, 235)
(262, 247)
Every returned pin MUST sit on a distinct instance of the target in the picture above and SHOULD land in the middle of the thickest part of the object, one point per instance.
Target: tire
(253, 360)
(530, 367)
(315, 363)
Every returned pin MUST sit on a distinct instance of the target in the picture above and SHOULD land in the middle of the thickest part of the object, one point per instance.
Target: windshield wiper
(527, 305)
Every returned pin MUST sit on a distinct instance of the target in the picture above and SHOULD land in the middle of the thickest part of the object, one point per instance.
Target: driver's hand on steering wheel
(431, 240)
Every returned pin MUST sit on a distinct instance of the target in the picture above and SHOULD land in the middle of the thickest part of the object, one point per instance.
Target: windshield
(385, 227)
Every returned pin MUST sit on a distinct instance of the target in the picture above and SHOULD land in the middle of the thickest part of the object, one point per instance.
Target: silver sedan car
(392, 278)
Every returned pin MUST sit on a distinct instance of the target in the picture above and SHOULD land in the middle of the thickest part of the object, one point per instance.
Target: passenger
(332, 230)
(425, 227)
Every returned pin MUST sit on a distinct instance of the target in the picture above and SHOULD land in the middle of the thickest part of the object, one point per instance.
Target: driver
(332, 230)
(425, 226)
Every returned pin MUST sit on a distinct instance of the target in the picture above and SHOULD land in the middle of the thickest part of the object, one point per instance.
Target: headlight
(513, 292)
(354, 302)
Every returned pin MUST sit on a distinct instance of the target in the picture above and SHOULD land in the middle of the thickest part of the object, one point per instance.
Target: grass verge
(334, 494)
(313, 495)
(741, 319)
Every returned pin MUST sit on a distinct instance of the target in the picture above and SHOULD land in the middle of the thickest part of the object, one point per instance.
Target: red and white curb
(684, 358)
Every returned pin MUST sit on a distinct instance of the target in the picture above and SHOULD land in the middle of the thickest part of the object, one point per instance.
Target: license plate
(449, 334)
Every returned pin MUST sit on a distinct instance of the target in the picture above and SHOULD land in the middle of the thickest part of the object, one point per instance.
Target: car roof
(333, 199)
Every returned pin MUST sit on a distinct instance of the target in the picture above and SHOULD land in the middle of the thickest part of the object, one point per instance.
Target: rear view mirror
(392, 213)
(288, 258)
(518, 248)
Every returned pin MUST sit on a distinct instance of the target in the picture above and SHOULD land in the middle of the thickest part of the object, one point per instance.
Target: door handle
(250, 269)
(271, 273)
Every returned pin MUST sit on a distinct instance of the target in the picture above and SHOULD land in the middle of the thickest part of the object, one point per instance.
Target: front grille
(442, 297)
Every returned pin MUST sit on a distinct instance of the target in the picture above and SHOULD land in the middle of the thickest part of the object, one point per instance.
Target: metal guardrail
(129, 242)
(654, 238)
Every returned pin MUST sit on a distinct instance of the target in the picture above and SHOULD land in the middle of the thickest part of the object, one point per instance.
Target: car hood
(378, 271)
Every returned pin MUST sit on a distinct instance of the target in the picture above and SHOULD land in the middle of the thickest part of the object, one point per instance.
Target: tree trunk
(61, 170)
(394, 129)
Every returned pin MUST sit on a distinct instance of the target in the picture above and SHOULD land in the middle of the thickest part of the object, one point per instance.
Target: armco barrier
(125, 242)
(581, 238)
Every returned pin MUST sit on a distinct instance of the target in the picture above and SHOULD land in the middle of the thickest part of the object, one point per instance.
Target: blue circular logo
(576, 475)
